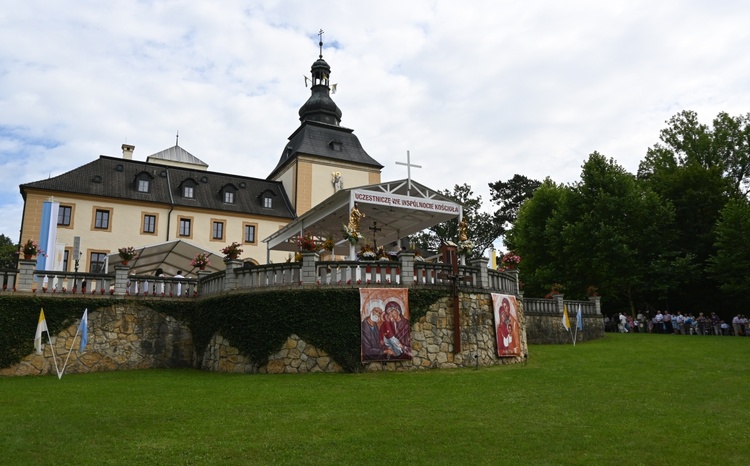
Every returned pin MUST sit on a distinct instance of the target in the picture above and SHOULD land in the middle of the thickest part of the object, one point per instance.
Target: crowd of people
(687, 324)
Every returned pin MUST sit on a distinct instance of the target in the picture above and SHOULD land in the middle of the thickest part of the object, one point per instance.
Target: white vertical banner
(57, 263)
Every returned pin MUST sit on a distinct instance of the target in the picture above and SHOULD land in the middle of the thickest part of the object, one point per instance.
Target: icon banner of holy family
(506, 325)
(386, 331)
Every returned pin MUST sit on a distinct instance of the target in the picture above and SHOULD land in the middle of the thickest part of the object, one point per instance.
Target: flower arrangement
(127, 253)
(592, 291)
(510, 260)
(329, 243)
(556, 288)
(31, 248)
(465, 247)
(351, 235)
(200, 260)
(366, 253)
(381, 254)
(308, 243)
(232, 251)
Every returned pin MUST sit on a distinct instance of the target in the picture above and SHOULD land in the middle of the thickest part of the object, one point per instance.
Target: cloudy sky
(476, 91)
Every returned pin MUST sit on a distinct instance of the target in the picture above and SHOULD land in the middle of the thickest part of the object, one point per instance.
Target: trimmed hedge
(257, 324)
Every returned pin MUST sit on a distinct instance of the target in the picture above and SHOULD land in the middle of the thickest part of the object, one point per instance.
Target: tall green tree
(482, 229)
(730, 264)
(605, 231)
(698, 169)
(8, 253)
(535, 241)
(509, 196)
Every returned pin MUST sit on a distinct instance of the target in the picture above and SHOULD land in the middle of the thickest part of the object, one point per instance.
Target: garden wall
(131, 335)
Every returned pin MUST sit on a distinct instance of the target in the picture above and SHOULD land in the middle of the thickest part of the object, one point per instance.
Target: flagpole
(52, 348)
(69, 351)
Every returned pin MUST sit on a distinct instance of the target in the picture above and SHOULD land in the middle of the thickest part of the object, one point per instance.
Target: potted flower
(329, 243)
(30, 249)
(465, 247)
(555, 289)
(307, 243)
(232, 251)
(366, 253)
(126, 254)
(201, 261)
(351, 235)
(510, 260)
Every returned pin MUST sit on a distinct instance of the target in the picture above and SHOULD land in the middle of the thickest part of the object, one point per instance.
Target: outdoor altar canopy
(387, 212)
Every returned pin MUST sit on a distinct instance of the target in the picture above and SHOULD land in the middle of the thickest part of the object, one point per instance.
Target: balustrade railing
(403, 272)
(260, 276)
(358, 273)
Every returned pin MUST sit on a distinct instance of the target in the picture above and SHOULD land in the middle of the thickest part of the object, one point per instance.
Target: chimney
(127, 151)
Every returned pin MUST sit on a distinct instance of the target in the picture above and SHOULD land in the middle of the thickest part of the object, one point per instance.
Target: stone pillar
(407, 267)
(202, 274)
(483, 277)
(559, 302)
(514, 273)
(597, 300)
(230, 279)
(121, 279)
(25, 275)
(309, 271)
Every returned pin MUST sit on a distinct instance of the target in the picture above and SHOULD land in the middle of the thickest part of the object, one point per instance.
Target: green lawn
(627, 399)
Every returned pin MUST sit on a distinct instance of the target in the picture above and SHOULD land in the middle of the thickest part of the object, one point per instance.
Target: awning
(170, 257)
(393, 210)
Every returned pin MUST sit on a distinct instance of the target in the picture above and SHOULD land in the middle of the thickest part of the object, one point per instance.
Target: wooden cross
(408, 165)
(374, 228)
(450, 256)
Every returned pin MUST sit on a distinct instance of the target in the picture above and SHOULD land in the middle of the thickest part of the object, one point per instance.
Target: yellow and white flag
(41, 327)
(565, 318)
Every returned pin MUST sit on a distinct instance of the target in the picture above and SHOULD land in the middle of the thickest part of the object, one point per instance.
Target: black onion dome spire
(320, 107)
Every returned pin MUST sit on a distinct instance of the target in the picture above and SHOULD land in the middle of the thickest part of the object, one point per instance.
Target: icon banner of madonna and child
(506, 324)
(386, 331)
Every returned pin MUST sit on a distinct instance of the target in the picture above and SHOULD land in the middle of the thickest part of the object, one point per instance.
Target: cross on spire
(408, 165)
(320, 43)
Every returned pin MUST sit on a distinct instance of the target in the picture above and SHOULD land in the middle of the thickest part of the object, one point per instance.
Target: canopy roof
(170, 257)
(396, 208)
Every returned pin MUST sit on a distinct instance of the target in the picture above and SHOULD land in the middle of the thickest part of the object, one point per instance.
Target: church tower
(321, 156)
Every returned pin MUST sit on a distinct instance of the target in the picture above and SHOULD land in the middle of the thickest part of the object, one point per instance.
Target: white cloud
(477, 92)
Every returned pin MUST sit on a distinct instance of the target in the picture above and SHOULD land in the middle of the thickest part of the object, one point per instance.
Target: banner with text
(406, 202)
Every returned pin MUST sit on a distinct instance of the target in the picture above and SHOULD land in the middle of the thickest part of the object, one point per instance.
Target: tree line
(675, 235)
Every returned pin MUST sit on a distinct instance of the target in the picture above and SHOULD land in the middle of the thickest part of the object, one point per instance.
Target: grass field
(626, 399)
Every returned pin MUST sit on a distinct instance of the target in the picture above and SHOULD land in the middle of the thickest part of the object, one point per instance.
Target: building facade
(114, 202)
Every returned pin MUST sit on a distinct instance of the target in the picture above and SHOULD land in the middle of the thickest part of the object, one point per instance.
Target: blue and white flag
(84, 329)
(579, 319)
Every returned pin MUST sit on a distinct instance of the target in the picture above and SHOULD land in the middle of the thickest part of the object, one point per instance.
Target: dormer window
(187, 188)
(335, 146)
(267, 198)
(143, 182)
(227, 193)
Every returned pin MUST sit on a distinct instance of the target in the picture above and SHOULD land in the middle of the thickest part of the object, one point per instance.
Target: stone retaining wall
(131, 336)
(545, 329)
(128, 336)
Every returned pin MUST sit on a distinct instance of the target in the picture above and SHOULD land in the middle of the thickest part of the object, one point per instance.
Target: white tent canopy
(170, 256)
(394, 209)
